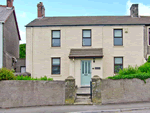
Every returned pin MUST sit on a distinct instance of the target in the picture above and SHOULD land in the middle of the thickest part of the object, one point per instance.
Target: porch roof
(86, 53)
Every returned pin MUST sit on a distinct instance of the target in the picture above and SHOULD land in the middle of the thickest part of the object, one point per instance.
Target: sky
(26, 10)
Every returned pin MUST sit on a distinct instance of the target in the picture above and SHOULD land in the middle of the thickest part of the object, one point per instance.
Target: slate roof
(90, 20)
(86, 53)
(4, 13)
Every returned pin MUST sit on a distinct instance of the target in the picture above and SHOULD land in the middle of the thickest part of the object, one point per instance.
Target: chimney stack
(10, 3)
(134, 10)
(41, 10)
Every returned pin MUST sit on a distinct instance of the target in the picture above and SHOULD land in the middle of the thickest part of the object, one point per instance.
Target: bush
(6, 74)
(29, 78)
(148, 59)
(145, 68)
(129, 70)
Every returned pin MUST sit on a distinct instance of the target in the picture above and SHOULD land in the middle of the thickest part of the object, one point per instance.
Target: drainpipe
(1, 44)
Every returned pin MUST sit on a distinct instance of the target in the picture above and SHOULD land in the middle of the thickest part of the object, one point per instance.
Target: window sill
(56, 75)
(119, 46)
(55, 47)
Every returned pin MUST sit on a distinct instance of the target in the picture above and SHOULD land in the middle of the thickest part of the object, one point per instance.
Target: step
(83, 100)
(83, 97)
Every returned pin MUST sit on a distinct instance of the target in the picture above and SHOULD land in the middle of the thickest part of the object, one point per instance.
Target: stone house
(84, 46)
(9, 36)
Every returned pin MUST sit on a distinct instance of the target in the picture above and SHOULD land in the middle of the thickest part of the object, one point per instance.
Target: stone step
(83, 97)
(83, 100)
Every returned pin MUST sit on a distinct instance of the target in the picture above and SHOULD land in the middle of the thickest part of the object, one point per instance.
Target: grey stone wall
(124, 91)
(31, 93)
(10, 40)
(70, 90)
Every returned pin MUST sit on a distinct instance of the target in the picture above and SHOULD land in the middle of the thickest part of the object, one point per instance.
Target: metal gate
(91, 90)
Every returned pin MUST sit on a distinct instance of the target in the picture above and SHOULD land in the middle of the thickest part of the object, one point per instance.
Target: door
(23, 69)
(85, 72)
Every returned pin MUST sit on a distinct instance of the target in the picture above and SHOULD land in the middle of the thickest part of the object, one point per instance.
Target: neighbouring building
(9, 36)
(84, 46)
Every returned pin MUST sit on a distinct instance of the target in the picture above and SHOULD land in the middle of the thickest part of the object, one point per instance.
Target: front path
(135, 107)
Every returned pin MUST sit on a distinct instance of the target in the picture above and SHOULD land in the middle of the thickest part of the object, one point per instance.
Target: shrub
(128, 70)
(145, 68)
(6, 74)
(148, 59)
(29, 78)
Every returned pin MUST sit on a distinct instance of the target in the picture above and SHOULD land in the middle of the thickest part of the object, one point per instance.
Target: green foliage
(22, 50)
(142, 72)
(145, 68)
(129, 70)
(29, 78)
(148, 59)
(6, 74)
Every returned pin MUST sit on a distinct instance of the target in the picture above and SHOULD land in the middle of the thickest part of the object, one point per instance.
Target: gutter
(1, 44)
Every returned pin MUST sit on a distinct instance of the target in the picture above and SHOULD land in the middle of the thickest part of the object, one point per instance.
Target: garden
(142, 72)
(6, 74)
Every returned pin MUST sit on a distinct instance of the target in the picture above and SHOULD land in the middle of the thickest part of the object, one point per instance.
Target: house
(84, 46)
(9, 36)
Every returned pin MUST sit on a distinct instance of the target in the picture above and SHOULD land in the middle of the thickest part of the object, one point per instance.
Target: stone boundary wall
(31, 93)
(124, 91)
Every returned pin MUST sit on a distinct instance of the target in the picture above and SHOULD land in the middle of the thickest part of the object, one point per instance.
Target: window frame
(118, 37)
(55, 65)
(87, 37)
(55, 38)
(117, 64)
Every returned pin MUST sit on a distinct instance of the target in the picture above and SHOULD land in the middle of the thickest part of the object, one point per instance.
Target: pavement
(113, 108)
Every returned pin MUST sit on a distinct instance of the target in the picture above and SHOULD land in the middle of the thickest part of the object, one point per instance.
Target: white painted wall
(1, 45)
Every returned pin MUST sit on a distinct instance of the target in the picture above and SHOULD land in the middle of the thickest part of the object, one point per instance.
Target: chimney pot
(134, 10)
(10, 3)
(41, 10)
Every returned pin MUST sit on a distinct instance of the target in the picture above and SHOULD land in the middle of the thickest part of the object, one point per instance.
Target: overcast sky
(26, 10)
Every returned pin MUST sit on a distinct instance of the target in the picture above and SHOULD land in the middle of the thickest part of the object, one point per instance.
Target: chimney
(10, 3)
(134, 10)
(41, 10)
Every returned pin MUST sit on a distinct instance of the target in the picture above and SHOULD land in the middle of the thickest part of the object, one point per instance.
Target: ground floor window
(118, 64)
(55, 65)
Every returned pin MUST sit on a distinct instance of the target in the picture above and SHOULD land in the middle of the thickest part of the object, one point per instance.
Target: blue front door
(85, 72)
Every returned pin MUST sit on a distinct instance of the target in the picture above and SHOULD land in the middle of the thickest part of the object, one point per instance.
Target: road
(115, 108)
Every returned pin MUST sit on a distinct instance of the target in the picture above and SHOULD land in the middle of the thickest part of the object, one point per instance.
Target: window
(55, 65)
(118, 64)
(149, 36)
(118, 37)
(56, 38)
(86, 39)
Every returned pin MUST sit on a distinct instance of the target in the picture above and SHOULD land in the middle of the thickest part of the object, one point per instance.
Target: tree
(22, 50)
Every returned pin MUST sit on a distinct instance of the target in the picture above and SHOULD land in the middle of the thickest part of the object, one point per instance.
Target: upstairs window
(56, 38)
(55, 65)
(118, 37)
(118, 64)
(86, 39)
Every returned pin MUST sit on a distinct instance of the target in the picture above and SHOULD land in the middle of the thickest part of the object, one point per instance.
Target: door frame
(81, 73)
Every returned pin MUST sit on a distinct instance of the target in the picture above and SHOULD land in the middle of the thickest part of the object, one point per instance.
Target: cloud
(23, 15)
(23, 37)
(144, 10)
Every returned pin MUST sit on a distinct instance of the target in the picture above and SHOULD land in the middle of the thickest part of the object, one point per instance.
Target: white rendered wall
(1, 45)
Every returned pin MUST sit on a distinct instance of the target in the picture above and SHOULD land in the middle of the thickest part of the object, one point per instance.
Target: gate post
(96, 89)
(70, 90)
